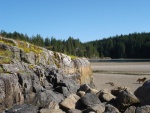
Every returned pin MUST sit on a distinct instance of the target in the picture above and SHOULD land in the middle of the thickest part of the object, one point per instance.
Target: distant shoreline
(119, 60)
(120, 73)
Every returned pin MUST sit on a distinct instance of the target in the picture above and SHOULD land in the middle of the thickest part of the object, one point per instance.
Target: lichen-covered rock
(35, 75)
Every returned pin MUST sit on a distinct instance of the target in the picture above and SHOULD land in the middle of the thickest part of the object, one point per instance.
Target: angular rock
(81, 93)
(90, 99)
(105, 96)
(70, 102)
(53, 105)
(71, 85)
(44, 98)
(126, 99)
(84, 88)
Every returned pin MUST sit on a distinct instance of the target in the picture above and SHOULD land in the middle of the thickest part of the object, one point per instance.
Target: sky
(86, 20)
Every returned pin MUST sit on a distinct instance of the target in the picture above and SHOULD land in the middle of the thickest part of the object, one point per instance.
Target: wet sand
(122, 74)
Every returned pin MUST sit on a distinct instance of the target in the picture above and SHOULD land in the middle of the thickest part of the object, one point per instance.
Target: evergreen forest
(135, 45)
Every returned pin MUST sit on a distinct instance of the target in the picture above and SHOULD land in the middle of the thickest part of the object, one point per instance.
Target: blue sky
(84, 19)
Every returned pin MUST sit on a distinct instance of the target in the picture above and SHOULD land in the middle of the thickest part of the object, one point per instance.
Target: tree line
(135, 45)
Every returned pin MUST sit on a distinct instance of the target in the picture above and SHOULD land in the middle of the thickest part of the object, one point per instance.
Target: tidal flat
(123, 74)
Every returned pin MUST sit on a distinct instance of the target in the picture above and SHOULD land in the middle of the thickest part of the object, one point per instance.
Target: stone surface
(10, 91)
(143, 109)
(143, 93)
(97, 108)
(131, 109)
(105, 96)
(70, 102)
(44, 98)
(25, 108)
(126, 99)
(89, 99)
(51, 111)
(74, 111)
(111, 109)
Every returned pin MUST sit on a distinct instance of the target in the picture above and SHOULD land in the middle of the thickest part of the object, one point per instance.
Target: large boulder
(70, 102)
(126, 99)
(143, 93)
(45, 97)
(90, 99)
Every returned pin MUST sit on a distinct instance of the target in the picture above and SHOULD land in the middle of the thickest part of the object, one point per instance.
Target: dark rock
(90, 99)
(44, 98)
(71, 85)
(111, 109)
(84, 88)
(62, 90)
(25, 108)
(143, 93)
(126, 99)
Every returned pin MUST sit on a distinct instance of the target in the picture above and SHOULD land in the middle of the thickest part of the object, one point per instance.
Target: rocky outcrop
(33, 75)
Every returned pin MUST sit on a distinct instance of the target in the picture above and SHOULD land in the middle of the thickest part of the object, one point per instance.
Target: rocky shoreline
(36, 80)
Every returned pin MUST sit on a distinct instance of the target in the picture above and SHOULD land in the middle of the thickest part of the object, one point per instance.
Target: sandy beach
(122, 74)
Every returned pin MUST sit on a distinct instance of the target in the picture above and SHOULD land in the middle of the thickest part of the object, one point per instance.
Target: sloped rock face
(37, 76)
(10, 91)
